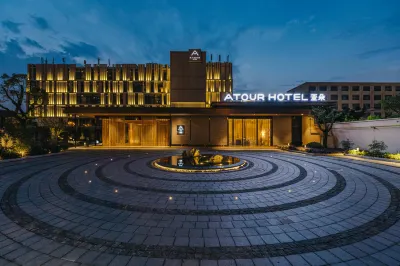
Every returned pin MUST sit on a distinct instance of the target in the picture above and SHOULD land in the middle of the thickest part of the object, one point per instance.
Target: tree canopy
(392, 105)
(325, 117)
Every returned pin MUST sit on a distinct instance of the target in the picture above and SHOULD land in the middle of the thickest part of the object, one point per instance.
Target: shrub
(38, 150)
(357, 152)
(347, 144)
(393, 156)
(8, 154)
(314, 145)
(373, 117)
(377, 148)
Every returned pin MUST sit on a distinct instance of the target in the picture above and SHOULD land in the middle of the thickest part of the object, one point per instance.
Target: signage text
(274, 97)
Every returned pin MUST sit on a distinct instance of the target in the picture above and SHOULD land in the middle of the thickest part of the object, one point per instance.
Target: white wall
(362, 133)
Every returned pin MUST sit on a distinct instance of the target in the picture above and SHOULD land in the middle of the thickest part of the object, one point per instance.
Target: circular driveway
(98, 207)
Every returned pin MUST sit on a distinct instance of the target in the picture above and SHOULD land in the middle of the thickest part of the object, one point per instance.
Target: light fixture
(111, 159)
(85, 171)
(236, 198)
(90, 181)
(116, 190)
(96, 164)
(289, 190)
(170, 198)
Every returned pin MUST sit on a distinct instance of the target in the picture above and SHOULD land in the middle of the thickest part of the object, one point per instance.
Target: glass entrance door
(249, 131)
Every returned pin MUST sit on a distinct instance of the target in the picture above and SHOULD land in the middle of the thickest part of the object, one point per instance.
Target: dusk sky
(274, 45)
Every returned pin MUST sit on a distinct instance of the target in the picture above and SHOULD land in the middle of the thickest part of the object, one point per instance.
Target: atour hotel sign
(273, 97)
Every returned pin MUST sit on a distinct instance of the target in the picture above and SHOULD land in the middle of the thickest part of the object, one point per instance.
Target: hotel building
(180, 104)
(353, 95)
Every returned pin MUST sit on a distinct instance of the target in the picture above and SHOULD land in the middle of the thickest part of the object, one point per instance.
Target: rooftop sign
(274, 97)
(195, 55)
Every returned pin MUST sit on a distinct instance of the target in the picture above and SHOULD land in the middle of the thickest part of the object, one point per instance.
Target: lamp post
(76, 129)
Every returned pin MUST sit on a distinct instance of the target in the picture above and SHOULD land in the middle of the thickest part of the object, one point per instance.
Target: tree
(56, 126)
(352, 115)
(325, 117)
(392, 105)
(13, 97)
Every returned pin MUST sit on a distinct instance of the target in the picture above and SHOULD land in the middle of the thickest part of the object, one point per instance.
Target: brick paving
(104, 207)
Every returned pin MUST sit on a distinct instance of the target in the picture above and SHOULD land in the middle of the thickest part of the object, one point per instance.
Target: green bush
(357, 152)
(347, 144)
(314, 145)
(393, 156)
(377, 148)
(8, 154)
(373, 117)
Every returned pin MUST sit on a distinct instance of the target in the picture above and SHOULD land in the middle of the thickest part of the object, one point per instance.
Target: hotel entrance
(136, 131)
(249, 131)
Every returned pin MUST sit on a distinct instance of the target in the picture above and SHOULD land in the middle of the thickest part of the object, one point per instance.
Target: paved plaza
(99, 207)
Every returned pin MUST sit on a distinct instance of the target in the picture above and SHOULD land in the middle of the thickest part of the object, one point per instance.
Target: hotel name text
(274, 97)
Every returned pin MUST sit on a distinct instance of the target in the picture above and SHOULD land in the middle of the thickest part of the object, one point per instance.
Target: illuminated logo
(194, 55)
(180, 129)
(180, 162)
(274, 97)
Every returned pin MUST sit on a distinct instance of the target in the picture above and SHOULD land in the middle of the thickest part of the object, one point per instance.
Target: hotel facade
(187, 103)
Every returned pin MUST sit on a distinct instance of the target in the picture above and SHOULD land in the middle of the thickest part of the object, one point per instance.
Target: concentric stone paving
(113, 208)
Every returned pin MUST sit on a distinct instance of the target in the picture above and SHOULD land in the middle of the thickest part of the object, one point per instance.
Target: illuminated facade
(165, 105)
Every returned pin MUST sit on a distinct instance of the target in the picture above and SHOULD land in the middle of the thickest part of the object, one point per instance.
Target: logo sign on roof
(195, 55)
(274, 97)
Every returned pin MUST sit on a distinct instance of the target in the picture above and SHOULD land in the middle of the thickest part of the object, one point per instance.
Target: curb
(30, 157)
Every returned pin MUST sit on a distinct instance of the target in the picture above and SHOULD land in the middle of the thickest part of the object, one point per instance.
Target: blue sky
(274, 45)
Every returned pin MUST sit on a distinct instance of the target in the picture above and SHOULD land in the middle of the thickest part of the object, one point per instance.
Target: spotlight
(236, 198)
(90, 181)
(116, 190)
(85, 171)
(96, 164)
(170, 198)
(289, 190)
(111, 159)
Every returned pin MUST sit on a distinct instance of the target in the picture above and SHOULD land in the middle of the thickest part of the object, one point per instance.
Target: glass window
(345, 106)
(345, 88)
(366, 88)
(388, 88)
(312, 88)
(355, 88)
(387, 96)
(366, 97)
(377, 97)
(377, 106)
(334, 97)
(367, 105)
(355, 97)
(356, 106)
(333, 88)
(322, 88)
(377, 88)
(345, 97)
(397, 88)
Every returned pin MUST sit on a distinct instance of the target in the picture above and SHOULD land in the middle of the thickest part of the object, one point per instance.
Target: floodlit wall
(362, 133)
(282, 130)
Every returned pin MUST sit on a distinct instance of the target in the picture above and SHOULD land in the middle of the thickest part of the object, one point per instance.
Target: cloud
(40, 23)
(378, 52)
(11, 26)
(81, 50)
(33, 43)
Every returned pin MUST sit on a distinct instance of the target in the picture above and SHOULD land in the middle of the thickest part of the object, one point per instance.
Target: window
(333, 88)
(397, 88)
(366, 88)
(366, 97)
(109, 74)
(322, 88)
(377, 88)
(356, 106)
(312, 88)
(355, 97)
(345, 88)
(345, 106)
(334, 97)
(345, 97)
(377, 114)
(356, 88)
(377, 106)
(377, 97)
(387, 96)
(388, 88)
(367, 105)
(138, 87)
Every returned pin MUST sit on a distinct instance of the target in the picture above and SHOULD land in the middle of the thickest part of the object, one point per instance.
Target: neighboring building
(161, 105)
(353, 95)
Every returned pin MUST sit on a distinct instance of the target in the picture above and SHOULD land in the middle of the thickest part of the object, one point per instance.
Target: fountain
(194, 161)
